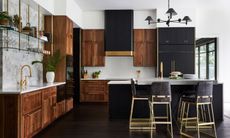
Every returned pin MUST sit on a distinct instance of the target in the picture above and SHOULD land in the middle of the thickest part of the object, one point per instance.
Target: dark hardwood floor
(90, 120)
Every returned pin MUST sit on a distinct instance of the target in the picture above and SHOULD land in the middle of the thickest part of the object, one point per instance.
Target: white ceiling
(146, 4)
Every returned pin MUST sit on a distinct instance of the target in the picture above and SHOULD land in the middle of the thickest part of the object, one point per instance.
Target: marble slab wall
(11, 60)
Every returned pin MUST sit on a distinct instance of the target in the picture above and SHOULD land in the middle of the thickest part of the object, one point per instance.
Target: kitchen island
(120, 97)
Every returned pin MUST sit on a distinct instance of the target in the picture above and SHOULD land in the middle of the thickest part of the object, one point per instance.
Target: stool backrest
(205, 88)
(161, 88)
(133, 87)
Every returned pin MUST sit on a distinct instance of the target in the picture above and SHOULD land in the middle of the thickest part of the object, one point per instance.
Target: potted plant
(50, 65)
(5, 19)
(17, 21)
(96, 74)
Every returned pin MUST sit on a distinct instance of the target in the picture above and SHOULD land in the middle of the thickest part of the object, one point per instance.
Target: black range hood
(119, 32)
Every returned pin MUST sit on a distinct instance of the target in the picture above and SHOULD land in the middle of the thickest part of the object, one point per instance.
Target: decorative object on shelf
(170, 12)
(5, 19)
(50, 65)
(17, 21)
(26, 29)
(175, 75)
(96, 74)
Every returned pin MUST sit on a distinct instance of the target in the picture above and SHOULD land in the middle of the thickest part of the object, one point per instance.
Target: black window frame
(206, 42)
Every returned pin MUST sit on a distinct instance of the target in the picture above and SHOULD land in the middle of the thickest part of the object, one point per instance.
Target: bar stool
(137, 123)
(161, 95)
(204, 110)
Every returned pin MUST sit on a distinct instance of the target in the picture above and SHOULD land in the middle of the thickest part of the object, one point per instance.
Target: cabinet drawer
(31, 102)
(176, 48)
(69, 104)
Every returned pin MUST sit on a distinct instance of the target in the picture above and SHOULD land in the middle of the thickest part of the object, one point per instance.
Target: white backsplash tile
(121, 67)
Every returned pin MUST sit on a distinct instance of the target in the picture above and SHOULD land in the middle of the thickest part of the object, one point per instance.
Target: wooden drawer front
(32, 123)
(91, 89)
(31, 102)
(93, 98)
(60, 109)
(47, 93)
(69, 104)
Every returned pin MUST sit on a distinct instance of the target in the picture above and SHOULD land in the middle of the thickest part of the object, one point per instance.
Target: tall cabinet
(176, 50)
(61, 28)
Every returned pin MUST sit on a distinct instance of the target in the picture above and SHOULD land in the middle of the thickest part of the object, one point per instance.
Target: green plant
(4, 15)
(51, 62)
(96, 74)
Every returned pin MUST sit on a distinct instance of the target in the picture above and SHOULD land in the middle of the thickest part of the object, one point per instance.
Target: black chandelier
(171, 12)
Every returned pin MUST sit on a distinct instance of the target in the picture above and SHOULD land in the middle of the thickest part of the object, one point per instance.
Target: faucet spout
(23, 82)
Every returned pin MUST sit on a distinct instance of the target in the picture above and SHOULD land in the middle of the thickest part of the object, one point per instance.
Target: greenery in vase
(4, 16)
(51, 62)
(96, 74)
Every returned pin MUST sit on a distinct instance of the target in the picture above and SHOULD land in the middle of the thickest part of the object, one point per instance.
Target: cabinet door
(139, 35)
(69, 39)
(86, 55)
(166, 59)
(98, 54)
(87, 35)
(139, 53)
(46, 112)
(32, 123)
(31, 102)
(185, 63)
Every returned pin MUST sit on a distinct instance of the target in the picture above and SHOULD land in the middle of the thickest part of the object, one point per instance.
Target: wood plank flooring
(90, 120)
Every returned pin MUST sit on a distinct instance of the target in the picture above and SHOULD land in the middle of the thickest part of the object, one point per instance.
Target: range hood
(119, 32)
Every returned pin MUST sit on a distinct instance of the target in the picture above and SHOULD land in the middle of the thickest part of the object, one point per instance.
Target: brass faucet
(24, 82)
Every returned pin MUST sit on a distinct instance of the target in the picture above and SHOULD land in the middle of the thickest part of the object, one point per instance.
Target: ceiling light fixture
(170, 12)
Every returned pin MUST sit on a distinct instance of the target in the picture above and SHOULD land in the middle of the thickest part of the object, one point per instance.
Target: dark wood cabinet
(32, 123)
(49, 97)
(179, 35)
(24, 115)
(94, 91)
(62, 35)
(145, 47)
(93, 48)
(176, 50)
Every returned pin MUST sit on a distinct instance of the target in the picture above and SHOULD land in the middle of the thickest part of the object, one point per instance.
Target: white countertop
(172, 81)
(30, 88)
(110, 79)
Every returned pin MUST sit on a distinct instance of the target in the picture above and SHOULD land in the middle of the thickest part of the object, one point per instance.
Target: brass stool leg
(197, 123)
(187, 113)
(179, 111)
(170, 112)
(182, 117)
(131, 114)
(213, 119)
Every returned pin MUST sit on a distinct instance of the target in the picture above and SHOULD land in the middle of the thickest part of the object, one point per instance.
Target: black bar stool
(204, 117)
(161, 95)
(138, 123)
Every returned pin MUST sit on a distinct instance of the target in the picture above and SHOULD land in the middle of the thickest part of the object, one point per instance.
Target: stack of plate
(189, 76)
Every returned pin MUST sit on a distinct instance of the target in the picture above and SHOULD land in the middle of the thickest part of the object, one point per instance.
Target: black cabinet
(118, 30)
(176, 50)
(178, 36)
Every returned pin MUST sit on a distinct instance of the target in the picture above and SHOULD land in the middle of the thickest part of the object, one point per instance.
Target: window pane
(203, 66)
(212, 65)
(211, 47)
(203, 49)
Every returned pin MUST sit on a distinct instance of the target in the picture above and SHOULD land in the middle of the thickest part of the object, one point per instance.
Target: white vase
(50, 77)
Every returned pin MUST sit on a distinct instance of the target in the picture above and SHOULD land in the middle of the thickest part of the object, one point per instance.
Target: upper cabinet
(145, 47)
(92, 48)
(119, 32)
(176, 36)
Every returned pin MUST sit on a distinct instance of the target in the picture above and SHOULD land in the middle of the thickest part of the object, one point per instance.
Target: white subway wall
(140, 16)
(121, 67)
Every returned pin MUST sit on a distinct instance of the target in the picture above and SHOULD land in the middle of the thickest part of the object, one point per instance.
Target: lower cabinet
(94, 91)
(26, 114)
(32, 123)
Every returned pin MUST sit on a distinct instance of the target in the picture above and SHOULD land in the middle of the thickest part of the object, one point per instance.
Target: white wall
(139, 19)
(46, 4)
(215, 23)
(93, 20)
(181, 12)
(121, 67)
